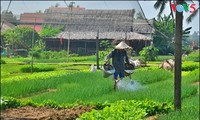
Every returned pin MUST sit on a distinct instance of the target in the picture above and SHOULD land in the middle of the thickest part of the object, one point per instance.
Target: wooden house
(83, 26)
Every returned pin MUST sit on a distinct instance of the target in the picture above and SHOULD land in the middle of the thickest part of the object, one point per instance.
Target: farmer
(119, 56)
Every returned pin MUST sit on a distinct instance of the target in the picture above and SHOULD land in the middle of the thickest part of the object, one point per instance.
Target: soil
(42, 113)
(196, 83)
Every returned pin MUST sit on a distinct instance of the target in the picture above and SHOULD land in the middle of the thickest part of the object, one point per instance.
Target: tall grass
(92, 87)
(20, 86)
(53, 60)
(190, 110)
(80, 86)
(151, 75)
(67, 86)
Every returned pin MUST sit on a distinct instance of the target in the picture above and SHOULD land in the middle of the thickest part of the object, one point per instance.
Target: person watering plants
(119, 57)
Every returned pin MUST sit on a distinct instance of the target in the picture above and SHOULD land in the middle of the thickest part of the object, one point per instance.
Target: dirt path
(42, 113)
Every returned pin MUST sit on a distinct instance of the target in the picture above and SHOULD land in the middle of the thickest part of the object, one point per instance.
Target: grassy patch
(149, 75)
(37, 68)
(190, 110)
(66, 86)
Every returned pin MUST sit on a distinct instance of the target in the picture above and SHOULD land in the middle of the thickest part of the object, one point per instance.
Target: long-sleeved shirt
(118, 60)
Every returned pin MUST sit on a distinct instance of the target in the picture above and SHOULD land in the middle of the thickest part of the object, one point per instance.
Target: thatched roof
(91, 20)
(102, 35)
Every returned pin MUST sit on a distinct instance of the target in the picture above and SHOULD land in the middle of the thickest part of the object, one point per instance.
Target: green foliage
(186, 42)
(51, 104)
(189, 66)
(37, 49)
(9, 102)
(191, 76)
(26, 36)
(105, 44)
(72, 85)
(149, 53)
(37, 68)
(19, 37)
(53, 54)
(124, 110)
(149, 75)
(10, 37)
(164, 43)
(118, 110)
(194, 56)
(164, 57)
(190, 110)
(36, 52)
(102, 54)
(187, 49)
(100, 106)
(50, 31)
(3, 62)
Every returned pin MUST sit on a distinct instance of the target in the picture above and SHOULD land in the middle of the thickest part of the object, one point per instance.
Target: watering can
(129, 69)
(107, 70)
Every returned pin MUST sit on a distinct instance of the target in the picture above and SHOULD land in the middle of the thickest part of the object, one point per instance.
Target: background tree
(10, 38)
(164, 25)
(50, 31)
(8, 17)
(195, 37)
(186, 42)
(19, 37)
(149, 53)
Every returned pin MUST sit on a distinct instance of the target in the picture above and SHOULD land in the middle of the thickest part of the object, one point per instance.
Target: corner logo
(183, 7)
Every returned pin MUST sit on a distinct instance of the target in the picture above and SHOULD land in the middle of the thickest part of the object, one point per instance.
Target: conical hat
(122, 45)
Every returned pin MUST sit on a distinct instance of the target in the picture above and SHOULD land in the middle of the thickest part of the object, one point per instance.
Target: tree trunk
(178, 59)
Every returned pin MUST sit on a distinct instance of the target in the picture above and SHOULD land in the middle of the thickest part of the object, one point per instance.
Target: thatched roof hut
(103, 35)
(82, 24)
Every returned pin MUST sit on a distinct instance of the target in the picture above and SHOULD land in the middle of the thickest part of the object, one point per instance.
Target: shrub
(194, 56)
(125, 110)
(3, 62)
(53, 54)
(149, 53)
(37, 68)
(9, 102)
(188, 66)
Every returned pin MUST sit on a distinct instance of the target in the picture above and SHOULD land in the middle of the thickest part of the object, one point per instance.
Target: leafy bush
(9, 102)
(53, 54)
(37, 68)
(124, 110)
(188, 66)
(194, 56)
(149, 53)
(36, 52)
(3, 61)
